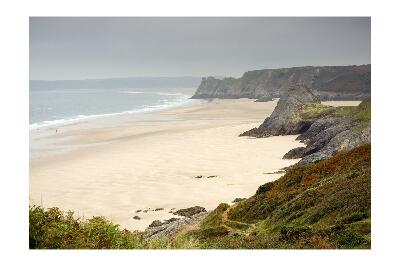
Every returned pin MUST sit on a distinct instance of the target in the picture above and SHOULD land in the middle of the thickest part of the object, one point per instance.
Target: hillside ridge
(330, 83)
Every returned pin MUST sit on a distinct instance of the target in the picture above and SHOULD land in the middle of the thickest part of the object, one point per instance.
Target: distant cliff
(329, 82)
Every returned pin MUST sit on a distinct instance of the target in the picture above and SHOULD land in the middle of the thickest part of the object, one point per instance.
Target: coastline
(151, 161)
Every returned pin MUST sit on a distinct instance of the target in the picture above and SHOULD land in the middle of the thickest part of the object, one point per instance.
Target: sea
(53, 107)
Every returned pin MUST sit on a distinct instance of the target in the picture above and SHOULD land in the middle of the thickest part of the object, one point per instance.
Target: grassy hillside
(326, 204)
(360, 113)
(320, 205)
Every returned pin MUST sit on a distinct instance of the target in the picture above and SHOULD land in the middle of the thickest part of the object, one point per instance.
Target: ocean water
(60, 106)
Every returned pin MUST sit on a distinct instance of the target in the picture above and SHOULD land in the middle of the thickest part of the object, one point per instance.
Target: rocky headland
(336, 130)
(329, 83)
(324, 129)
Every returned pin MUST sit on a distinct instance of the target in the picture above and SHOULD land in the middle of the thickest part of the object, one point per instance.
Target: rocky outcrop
(189, 212)
(325, 130)
(333, 133)
(172, 226)
(343, 141)
(286, 119)
(329, 82)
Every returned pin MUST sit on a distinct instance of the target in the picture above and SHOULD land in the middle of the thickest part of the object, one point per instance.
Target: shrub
(264, 188)
(214, 218)
(354, 217)
(52, 229)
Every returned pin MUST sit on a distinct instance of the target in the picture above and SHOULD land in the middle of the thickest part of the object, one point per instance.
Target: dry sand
(152, 161)
(342, 103)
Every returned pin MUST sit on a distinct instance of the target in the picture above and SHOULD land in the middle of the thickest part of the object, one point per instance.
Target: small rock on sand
(238, 200)
(188, 212)
(155, 223)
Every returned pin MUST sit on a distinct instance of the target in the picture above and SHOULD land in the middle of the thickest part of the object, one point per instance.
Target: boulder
(189, 212)
(171, 226)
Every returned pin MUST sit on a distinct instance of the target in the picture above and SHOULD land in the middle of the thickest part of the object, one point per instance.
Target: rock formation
(325, 130)
(189, 212)
(286, 119)
(171, 226)
(329, 82)
(334, 132)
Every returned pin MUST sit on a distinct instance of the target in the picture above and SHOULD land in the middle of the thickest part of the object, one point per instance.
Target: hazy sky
(80, 48)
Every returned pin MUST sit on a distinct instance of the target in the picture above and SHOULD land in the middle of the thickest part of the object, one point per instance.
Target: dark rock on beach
(238, 200)
(282, 171)
(200, 176)
(189, 212)
(155, 223)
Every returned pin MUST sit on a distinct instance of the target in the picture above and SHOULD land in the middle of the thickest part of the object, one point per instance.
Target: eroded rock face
(343, 141)
(329, 82)
(285, 119)
(325, 133)
(329, 135)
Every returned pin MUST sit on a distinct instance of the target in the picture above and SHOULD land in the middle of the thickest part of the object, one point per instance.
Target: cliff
(329, 82)
(325, 130)
(286, 119)
(333, 130)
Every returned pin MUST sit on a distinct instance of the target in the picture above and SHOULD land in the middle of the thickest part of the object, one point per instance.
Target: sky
(62, 48)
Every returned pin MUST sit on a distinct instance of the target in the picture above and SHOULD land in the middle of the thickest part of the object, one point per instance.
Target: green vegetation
(314, 111)
(264, 188)
(53, 229)
(214, 218)
(360, 113)
(326, 204)
(362, 116)
(320, 205)
(343, 111)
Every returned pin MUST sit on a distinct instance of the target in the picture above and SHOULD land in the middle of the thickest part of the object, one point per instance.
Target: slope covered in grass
(326, 204)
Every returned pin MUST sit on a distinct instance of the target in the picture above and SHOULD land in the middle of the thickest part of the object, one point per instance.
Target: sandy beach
(151, 162)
